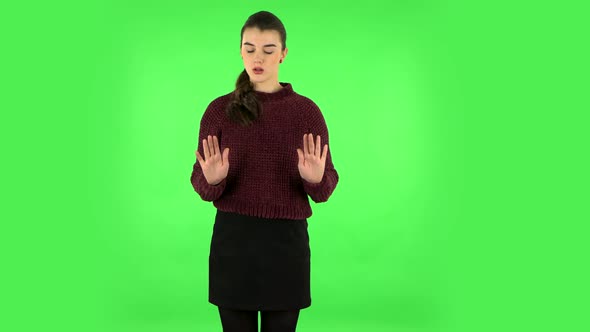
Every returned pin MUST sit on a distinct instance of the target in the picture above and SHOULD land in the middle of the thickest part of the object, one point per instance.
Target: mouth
(258, 70)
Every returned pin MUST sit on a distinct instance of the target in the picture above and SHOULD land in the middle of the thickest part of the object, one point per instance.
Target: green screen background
(458, 130)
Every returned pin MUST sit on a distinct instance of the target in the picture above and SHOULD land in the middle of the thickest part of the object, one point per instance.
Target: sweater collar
(275, 96)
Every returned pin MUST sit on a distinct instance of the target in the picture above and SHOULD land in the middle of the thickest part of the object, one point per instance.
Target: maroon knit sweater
(263, 179)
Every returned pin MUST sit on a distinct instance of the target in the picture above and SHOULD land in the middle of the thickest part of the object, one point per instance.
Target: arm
(321, 191)
(208, 192)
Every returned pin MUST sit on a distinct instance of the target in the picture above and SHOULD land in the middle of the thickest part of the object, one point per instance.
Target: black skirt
(259, 263)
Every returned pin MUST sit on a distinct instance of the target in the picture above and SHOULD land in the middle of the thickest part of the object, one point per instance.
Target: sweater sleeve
(209, 126)
(321, 191)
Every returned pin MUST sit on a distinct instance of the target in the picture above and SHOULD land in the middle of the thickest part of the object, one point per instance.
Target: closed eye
(264, 52)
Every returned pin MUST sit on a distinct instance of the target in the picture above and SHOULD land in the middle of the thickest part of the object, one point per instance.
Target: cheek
(275, 60)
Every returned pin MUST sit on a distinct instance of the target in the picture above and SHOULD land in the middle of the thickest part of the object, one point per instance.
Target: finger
(310, 145)
(325, 153)
(199, 158)
(226, 156)
(206, 149)
(216, 145)
(318, 146)
(301, 157)
(210, 142)
(304, 144)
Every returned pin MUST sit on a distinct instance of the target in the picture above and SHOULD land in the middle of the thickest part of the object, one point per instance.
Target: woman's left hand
(311, 164)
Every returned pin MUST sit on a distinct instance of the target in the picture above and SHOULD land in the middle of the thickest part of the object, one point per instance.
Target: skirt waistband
(237, 217)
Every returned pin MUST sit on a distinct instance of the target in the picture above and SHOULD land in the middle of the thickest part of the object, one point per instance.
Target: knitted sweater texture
(263, 178)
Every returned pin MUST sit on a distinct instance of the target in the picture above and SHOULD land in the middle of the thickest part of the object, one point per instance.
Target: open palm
(214, 165)
(311, 163)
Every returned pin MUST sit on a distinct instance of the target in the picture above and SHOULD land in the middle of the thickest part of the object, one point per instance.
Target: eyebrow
(267, 45)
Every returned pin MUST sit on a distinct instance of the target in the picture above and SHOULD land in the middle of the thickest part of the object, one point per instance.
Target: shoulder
(311, 114)
(306, 105)
(219, 103)
(216, 108)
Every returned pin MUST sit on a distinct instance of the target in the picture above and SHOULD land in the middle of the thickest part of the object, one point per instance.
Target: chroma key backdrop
(456, 128)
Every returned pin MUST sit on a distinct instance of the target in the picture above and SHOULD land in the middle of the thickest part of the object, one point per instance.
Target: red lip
(258, 70)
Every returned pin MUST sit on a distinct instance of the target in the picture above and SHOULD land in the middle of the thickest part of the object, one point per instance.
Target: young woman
(259, 157)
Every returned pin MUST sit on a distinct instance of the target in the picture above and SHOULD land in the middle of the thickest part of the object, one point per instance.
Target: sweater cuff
(312, 188)
(212, 192)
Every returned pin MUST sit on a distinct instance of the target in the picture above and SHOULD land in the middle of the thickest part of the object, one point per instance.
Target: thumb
(325, 153)
(199, 158)
(300, 155)
(226, 156)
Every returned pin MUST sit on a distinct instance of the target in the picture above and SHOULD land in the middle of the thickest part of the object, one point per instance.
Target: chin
(257, 79)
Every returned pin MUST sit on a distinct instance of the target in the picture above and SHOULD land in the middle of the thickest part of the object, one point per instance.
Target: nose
(257, 57)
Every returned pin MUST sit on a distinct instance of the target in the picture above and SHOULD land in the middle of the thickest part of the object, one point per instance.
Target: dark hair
(244, 107)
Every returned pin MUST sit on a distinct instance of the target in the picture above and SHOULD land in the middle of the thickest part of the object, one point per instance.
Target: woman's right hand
(214, 165)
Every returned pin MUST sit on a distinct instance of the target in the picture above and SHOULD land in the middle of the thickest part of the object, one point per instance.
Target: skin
(255, 52)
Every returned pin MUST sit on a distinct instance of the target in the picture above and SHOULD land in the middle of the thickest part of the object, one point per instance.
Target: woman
(260, 256)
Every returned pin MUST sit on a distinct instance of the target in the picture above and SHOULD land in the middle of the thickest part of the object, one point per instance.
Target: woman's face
(262, 50)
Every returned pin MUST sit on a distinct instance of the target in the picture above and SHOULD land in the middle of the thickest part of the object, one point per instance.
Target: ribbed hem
(265, 210)
(210, 192)
(317, 191)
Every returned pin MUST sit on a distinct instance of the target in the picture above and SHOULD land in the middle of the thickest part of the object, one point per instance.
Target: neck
(268, 87)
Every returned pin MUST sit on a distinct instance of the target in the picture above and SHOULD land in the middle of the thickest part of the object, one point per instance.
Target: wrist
(313, 182)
